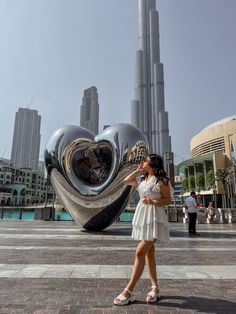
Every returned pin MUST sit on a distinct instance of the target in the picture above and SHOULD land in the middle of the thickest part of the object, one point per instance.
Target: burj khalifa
(148, 107)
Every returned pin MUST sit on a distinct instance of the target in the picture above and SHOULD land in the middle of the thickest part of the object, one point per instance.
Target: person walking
(191, 205)
(149, 223)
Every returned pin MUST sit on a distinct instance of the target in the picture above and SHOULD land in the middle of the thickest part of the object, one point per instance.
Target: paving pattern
(57, 268)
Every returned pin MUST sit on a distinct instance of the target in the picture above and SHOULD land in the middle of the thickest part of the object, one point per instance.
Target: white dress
(150, 222)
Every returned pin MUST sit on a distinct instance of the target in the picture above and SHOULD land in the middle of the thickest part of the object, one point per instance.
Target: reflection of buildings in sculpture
(91, 165)
(212, 149)
(89, 110)
(135, 154)
(138, 152)
(26, 139)
(148, 108)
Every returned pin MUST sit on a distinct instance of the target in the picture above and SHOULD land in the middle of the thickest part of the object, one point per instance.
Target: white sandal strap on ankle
(130, 292)
(152, 296)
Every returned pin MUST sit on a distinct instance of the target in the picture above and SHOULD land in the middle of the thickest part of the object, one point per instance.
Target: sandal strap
(155, 287)
(121, 298)
(151, 294)
(130, 292)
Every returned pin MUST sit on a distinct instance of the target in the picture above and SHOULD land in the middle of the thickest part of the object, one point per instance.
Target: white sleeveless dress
(150, 222)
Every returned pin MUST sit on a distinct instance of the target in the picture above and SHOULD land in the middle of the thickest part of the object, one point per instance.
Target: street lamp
(198, 195)
(214, 191)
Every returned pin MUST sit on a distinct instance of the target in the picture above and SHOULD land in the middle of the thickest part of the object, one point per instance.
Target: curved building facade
(213, 150)
(217, 137)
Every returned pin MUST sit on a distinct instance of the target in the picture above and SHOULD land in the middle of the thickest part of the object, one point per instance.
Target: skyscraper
(26, 139)
(148, 108)
(89, 110)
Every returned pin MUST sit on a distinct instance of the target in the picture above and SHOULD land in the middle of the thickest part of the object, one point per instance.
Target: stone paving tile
(96, 295)
(55, 226)
(37, 224)
(107, 243)
(68, 296)
(70, 224)
(57, 231)
(115, 257)
(119, 234)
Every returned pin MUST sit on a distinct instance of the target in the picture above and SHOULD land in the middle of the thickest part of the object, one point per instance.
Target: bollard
(233, 215)
(202, 215)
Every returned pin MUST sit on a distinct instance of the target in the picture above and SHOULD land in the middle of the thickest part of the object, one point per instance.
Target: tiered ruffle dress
(150, 222)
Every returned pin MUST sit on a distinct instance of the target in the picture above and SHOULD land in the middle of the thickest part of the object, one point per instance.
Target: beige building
(213, 151)
(21, 186)
(217, 137)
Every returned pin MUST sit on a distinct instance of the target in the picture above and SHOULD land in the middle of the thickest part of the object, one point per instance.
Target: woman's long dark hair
(157, 164)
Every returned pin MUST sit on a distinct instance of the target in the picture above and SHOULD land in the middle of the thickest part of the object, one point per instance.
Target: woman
(149, 223)
(211, 212)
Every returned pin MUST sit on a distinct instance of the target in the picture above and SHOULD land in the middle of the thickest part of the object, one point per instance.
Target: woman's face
(146, 164)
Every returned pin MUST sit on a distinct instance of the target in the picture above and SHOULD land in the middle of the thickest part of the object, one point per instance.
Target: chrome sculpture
(87, 171)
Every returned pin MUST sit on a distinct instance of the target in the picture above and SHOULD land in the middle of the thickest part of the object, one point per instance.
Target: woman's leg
(151, 264)
(141, 251)
(139, 263)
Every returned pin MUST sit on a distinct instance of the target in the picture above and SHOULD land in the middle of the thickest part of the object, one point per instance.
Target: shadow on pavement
(197, 304)
(118, 232)
(126, 231)
(205, 235)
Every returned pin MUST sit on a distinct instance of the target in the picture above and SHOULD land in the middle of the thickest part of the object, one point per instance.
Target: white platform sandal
(122, 300)
(153, 296)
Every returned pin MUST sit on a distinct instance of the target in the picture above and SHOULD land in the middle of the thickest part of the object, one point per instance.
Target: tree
(200, 180)
(191, 182)
(210, 178)
(185, 185)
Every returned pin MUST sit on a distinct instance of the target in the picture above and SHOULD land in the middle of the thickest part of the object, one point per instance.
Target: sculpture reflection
(87, 171)
(92, 166)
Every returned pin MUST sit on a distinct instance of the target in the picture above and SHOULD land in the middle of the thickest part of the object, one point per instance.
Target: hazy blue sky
(54, 49)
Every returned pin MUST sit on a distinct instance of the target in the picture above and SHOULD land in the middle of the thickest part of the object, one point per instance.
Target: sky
(51, 50)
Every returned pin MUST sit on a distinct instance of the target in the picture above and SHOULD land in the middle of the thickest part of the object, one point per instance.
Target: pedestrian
(150, 223)
(191, 205)
(211, 212)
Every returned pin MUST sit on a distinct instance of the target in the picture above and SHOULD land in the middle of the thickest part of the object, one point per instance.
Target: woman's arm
(131, 178)
(166, 197)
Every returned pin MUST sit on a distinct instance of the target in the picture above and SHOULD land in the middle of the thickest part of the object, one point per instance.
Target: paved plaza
(58, 268)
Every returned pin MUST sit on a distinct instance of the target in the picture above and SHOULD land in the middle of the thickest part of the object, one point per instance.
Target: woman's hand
(140, 167)
(147, 200)
(130, 179)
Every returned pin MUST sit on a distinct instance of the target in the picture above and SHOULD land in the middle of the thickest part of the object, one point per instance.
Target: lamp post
(198, 195)
(214, 191)
(231, 186)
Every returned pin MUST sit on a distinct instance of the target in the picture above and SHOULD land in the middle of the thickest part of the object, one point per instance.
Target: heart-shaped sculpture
(87, 171)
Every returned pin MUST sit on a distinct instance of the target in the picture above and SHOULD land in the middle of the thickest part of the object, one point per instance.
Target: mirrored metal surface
(87, 172)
